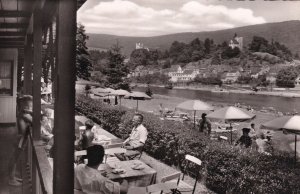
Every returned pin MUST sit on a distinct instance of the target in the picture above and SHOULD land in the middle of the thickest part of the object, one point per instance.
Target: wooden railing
(40, 170)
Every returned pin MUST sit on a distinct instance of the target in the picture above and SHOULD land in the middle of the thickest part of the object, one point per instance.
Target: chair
(138, 155)
(124, 157)
(184, 187)
(168, 186)
(137, 190)
(173, 178)
(110, 150)
(79, 156)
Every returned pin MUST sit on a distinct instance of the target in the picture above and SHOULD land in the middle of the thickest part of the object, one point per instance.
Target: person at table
(87, 137)
(46, 129)
(245, 140)
(253, 131)
(137, 138)
(205, 125)
(88, 179)
(262, 144)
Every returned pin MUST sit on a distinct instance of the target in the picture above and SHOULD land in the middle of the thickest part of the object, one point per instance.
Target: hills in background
(287, 33)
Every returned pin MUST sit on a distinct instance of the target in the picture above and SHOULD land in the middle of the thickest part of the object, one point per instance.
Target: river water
(282, 104)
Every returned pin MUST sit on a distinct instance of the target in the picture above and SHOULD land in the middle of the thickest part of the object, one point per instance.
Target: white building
(140, 45)
(236, 42)
(297, 81)
(184, 76)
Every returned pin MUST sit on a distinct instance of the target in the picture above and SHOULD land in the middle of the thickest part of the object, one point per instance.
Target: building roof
(188, 71)
(174, 68)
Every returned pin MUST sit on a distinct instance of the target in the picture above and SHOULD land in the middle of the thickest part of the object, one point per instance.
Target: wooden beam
(11, 46)
(64, 114)
(36, 92)
(13, 25)
(27, 66)
(12, 33)
(11, 42)
(22, 39)
(14, 13)
(37, 73)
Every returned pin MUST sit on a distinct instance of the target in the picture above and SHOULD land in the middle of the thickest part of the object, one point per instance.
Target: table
(137, 178)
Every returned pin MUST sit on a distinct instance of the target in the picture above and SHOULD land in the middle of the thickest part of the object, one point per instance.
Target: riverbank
(289, 94)
(280, 141)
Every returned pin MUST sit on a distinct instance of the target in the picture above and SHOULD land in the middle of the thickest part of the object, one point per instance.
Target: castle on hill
(236, 42)
(140, 45)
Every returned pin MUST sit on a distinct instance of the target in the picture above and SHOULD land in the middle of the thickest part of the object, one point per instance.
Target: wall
(8, 103)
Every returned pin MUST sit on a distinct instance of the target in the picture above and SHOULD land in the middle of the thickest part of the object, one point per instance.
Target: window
(6, 78)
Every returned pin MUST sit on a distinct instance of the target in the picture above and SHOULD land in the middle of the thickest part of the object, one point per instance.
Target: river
(282, 104)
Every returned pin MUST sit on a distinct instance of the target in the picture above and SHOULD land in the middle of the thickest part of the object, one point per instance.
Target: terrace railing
(39, 167)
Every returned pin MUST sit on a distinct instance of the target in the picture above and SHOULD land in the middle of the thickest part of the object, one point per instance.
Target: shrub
(226, 168)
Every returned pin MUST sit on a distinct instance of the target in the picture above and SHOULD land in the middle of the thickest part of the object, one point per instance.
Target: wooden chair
(137, 190)
(110, 151)
(161, 187)
(138, 155)
(184, 187)
(78, 155)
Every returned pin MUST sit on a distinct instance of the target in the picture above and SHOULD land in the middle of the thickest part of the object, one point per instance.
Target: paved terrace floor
(8, 138)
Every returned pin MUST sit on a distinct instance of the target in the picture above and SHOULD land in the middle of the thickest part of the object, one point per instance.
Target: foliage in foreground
(226, 169)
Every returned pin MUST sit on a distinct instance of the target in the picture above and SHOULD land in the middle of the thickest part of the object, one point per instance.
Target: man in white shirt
(137, 139)
(88, 178)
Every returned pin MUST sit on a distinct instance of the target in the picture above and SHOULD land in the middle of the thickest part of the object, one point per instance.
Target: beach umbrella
(120, 93)
(99, 90)
(290, 124)
(230, 114)
(195, 105)
(138, 96)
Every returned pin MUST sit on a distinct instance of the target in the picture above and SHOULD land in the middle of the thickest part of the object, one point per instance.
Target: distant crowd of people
(251, 137)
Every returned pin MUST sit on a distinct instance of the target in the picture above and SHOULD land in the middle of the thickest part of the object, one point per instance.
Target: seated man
(88, 179)
(136, 140)
(245, 140)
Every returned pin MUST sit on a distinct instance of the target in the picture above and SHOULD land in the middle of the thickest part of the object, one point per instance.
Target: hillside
(284, 32)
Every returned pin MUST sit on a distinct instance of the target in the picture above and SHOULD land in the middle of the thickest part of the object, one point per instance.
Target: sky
(158, 17)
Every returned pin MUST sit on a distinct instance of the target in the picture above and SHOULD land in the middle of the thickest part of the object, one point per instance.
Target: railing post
(64, 115)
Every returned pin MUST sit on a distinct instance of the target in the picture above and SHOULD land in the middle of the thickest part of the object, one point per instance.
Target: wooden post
(36, 92)
(37, 73)
(64, 115)
(27, 83)
(295, 148)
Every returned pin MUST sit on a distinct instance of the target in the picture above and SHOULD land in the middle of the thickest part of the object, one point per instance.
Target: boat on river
(220, 90)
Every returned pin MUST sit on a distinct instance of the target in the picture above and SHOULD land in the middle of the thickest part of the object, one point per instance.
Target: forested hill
(287, 32)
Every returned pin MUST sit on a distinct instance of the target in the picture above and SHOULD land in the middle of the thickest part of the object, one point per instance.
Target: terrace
(36, 33)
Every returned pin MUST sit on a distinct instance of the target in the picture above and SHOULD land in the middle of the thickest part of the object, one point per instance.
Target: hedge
(226, 168)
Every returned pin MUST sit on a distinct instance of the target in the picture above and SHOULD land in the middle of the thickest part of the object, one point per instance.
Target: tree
(286, 77)
(216, 59)
(230, 53)
(257, 43)
(207, 45)
(83, 63)
(116, 70)
(149, 91)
